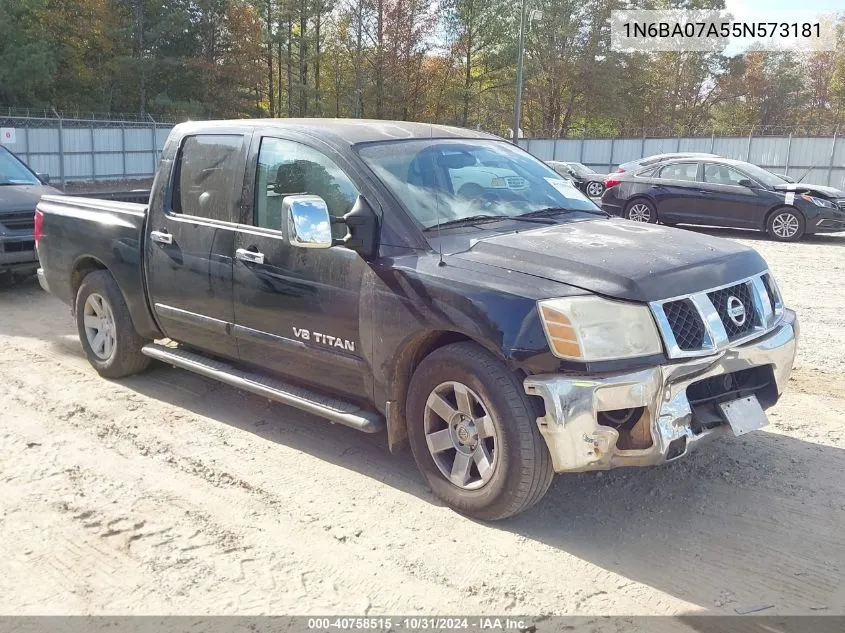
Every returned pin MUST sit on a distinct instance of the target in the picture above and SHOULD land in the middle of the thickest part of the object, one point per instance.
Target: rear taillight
(619, 170)
(39, 220)
(610, 181)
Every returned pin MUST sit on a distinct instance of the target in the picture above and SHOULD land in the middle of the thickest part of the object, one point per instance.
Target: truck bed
(80, 233)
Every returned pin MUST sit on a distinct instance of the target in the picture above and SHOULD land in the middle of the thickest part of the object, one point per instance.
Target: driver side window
(722, 175)
(287, 168)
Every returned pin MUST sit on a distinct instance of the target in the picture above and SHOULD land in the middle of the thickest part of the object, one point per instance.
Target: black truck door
(191, 241)
(296, 309)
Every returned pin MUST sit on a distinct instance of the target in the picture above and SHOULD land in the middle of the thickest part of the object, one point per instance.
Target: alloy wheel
(100, 330)
(461, 435)
(594, 189)
(785, 225)
(640, 212)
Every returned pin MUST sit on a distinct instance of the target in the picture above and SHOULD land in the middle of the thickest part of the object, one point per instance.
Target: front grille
(738, 299)
(19, 220)
(840, 203)
(704, 322)
(686, 324)
(19, 247)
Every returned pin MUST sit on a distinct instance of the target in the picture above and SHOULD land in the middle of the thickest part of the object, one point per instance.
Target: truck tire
(488, 459)
(106, 331)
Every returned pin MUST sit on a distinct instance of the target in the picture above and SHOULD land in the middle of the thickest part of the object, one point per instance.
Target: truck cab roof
(346, 131)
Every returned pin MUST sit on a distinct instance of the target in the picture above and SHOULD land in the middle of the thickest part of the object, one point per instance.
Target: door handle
(246, 255)
(704, 191)
(162, 237)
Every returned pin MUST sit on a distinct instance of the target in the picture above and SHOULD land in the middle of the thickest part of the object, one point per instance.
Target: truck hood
(23, 197)
(800, 187)
(621, 259)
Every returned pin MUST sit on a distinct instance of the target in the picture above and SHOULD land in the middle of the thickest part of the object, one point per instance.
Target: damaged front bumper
(666, 420)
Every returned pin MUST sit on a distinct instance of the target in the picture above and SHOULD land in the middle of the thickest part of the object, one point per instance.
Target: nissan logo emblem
(736, 311)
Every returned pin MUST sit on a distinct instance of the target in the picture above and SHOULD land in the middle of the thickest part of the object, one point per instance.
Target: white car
(475, 180)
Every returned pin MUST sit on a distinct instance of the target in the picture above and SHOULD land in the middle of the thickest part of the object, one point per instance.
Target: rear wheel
(641, 210)
(108, 336)
(473, 432)
(786, 225)
(595, 189)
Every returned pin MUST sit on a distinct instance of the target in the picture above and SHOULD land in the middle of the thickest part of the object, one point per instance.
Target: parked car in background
(483, 174)
(634, 165)
(724, 192)
(20, 190)
(586, 179)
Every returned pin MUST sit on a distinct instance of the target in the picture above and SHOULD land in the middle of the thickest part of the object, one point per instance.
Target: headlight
(498, 182)
(589, 328)
(819, 202)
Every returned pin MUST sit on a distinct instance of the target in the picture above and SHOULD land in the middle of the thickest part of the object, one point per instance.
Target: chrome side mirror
(309, 224)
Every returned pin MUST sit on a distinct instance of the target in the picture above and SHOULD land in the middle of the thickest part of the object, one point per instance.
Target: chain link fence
(86, 147)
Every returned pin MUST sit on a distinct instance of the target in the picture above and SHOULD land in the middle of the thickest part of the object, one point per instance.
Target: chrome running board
(333, 409)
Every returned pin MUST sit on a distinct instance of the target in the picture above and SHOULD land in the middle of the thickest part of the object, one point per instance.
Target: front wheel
(786, 225)
(108, 336)
(641, 210)
(595, 189)
(473, 432)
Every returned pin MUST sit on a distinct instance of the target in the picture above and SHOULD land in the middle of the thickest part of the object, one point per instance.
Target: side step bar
(335, 410)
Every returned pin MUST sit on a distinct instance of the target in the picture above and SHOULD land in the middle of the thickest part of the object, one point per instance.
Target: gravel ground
(170, 493)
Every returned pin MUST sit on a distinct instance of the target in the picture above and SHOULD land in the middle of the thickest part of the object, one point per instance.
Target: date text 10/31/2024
(417, 623)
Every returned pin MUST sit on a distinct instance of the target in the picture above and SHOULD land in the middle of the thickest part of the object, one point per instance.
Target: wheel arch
(641, 196)
(138, 309)
(411, 354)
(781, 207)
(82, 267)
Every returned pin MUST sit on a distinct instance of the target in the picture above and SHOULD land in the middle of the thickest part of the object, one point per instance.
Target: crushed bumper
(667, 426)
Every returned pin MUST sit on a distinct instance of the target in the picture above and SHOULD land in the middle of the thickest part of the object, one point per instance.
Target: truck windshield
(14, 172)
(443, 180)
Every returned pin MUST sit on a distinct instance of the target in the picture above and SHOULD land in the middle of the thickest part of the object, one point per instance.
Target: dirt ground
(170, 493)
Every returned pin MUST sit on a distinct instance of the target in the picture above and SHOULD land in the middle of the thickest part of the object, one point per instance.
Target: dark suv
(20, 190)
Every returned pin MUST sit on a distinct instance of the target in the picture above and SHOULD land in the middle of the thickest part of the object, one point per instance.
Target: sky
(777, 10)
(761, 6)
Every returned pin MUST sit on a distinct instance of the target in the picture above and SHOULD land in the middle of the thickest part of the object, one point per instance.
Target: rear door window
(208, 170)
(680, 171)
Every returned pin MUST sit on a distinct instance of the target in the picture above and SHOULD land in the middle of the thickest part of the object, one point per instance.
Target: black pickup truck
(436, 283)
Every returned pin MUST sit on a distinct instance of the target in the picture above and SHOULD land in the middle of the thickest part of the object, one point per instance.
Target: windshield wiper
(489, 218)
(549, 211)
